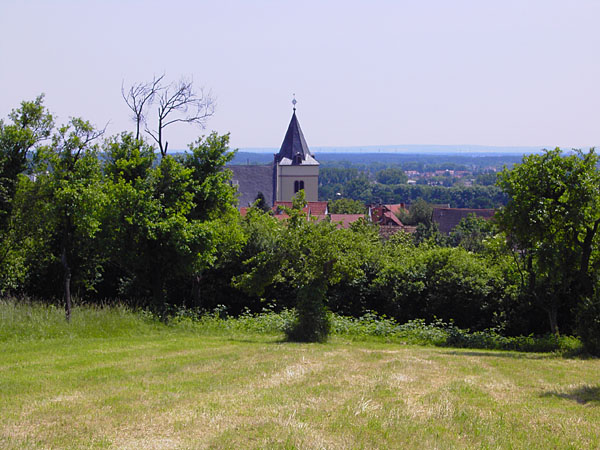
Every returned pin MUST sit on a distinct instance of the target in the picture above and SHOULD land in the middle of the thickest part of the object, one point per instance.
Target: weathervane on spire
(294, 101)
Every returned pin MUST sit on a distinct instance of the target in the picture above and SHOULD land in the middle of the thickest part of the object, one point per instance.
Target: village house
(448, 218)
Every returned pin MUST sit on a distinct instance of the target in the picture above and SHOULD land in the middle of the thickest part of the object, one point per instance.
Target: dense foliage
(103, 219)
(361, 188)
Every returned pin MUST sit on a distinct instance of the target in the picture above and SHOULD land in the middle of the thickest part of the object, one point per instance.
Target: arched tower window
(297, 159)
(298, 185)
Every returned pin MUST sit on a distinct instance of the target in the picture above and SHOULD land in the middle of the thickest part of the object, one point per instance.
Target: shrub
(312, 321)
(588, 325)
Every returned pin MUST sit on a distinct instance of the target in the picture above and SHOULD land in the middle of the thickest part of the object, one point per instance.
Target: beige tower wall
(286, 175)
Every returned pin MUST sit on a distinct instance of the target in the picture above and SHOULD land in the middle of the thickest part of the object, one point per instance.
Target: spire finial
(294, 101)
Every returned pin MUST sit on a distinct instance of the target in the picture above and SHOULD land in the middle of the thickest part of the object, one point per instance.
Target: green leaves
(213, 194)
(552, 218)
(347, 206)
(31, 123)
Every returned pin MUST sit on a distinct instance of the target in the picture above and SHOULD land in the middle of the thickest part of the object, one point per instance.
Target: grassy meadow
(117, 379)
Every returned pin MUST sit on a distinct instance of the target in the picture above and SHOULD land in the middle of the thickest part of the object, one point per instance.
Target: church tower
(294, 167)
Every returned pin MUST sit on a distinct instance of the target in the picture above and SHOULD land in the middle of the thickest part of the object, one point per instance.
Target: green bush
(588, 325)
(312, 321)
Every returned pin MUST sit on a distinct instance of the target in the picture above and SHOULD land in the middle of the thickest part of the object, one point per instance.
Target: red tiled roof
(319, 217)
(312, 208)
(286, 204)
(448, 218)
(344, 220)
(391, 217)
(317, 208)
(396, 208)
(386, 214)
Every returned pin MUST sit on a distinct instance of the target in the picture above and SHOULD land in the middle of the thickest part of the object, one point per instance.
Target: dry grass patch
(187, 391)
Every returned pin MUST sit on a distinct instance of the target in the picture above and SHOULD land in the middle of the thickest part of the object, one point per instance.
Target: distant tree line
(355, 185)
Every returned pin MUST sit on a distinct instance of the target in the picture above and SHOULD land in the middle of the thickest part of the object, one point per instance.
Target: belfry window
(298, 185)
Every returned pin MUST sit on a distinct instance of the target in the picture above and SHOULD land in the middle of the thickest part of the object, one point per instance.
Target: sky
(365, 73)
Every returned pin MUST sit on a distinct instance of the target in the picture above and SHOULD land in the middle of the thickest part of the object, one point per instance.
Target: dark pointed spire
(294, 146)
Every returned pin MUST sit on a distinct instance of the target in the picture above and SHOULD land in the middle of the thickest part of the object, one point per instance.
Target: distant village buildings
(295, 168)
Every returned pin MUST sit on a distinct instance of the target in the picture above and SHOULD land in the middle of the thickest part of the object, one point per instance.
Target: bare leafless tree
(139, 97)
(178, 102)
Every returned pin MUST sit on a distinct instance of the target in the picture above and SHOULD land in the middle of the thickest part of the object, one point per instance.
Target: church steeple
(294, 167)
(294, 147)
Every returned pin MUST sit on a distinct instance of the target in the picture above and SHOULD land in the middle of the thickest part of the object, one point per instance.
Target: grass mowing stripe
(188, 391)
(189, 387)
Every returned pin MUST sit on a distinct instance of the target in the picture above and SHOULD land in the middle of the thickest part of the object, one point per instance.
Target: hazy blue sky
(364, 72)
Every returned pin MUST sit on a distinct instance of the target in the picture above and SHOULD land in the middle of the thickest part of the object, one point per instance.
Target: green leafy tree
(29, 124)
(347, 206)
(551, 220)
(451, 284)
(69, 198)
(486, 179)
(392, 175)
(261, 203)
(167, 225)
(419, 212)
(127, 158)
(471, 233)
(213, 192)
(26, 127)
(358, 189)
(306, 256)
(154, 241)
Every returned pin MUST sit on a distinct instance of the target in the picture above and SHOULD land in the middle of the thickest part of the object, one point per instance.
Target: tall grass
(27, 320)
(21, 320)
(372, 326)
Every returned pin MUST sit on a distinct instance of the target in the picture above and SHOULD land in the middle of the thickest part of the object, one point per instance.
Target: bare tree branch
(139, 97)
(178, 102)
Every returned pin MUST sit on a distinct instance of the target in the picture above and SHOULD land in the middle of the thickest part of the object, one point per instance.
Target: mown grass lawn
(175, 388)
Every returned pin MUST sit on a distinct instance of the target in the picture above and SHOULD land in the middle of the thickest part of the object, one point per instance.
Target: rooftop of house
(396, 208)
(252, 179)
(341, 220)
(448, 218)
(345, 220)
(391, 217)
(387, 214)
(312, 208)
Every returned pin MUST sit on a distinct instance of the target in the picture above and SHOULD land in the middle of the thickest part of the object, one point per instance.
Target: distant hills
(413, 149)
(472, 155)
(391, 159)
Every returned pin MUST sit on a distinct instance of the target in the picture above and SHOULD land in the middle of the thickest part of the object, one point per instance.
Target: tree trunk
(196, 291)
(585, 280)
(160, 145)
(67, 283)
(158, 291)
(137, 128)
(553, 317)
